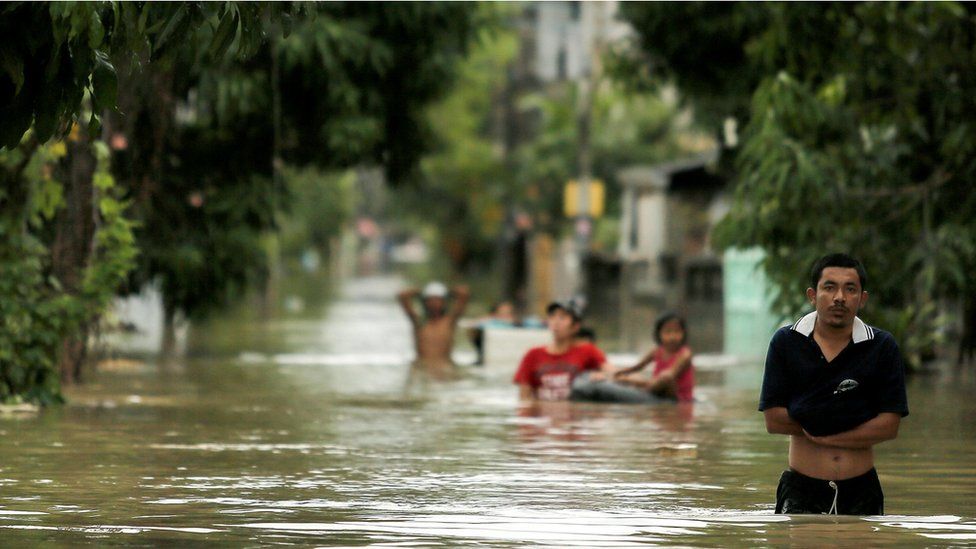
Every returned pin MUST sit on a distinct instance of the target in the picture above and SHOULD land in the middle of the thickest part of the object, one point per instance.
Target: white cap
(434, 289)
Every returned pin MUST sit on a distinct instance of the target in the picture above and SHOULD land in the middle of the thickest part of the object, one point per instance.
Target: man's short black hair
(837, 260)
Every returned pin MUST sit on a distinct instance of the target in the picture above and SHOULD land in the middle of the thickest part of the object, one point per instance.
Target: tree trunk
(73, 245)
(967, 340)
(74, 351)
(167, 351)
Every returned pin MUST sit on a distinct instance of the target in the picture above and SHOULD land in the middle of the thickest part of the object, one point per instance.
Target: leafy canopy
(858, 138)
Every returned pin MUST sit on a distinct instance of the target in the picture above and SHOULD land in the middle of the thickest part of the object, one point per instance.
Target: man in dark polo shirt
(837, 387)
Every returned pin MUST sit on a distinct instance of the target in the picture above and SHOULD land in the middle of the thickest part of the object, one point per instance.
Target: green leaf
(94, 126)
(78, 19)
(143, 17)
(109, 206)
(224, 35)
(154, 28)
(48, 198)
(103, 181)
(174, 23)
(116, 15)
(16, 121)
(104, 83)
(46, 109)
(101, 150)
(14, 67)
(96, 31)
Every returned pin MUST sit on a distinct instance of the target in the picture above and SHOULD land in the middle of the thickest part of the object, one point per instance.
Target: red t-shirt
(685, 381)
(552, 375)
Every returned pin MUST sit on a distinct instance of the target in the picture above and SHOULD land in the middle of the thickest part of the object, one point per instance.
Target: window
(575, 8)
(703, 282)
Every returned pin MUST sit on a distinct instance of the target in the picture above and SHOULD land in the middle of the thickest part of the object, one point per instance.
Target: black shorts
(800, 494)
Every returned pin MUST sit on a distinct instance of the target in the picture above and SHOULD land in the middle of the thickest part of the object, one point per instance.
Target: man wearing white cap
(433, 333)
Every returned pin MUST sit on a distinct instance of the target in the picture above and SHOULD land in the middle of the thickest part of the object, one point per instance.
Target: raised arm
(461, 296)
(880, 428)
(406, 299)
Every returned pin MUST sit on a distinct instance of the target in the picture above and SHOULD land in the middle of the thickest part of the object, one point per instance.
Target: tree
(59, 65)
(42, 310)
(209, 136)
(59, 77)
(66, 242)
(628, 127)
(479, 175)
(320, 208)
(703, 48)
(857, 138)
(465, 174)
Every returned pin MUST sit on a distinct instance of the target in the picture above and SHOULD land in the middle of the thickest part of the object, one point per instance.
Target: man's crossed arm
(878, 429)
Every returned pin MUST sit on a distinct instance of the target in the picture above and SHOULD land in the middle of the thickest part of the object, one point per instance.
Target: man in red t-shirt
(547, 373)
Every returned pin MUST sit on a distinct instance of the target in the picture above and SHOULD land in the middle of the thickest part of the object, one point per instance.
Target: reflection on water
(316, 432)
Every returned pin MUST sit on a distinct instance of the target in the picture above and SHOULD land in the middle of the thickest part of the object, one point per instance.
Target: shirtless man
(836, 386)
(433, 334)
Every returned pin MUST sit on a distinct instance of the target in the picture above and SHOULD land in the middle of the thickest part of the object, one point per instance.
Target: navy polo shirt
(825, 398)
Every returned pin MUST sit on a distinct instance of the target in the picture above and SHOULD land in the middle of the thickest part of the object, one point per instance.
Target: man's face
(562, 324)
(838, 296)
(434, 305)
(505, 311)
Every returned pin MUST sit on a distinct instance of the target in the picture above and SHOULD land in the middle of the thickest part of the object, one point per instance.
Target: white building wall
(569, 30)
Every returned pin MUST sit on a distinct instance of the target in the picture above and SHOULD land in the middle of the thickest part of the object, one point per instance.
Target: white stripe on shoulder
(806, 323)
(862, 332)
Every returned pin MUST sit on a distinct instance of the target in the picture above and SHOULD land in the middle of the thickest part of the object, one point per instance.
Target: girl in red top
(673, 375)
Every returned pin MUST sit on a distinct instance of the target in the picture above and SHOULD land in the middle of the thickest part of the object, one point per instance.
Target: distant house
(558, 42)
(667, 261)
(666, 256)
(560, 36)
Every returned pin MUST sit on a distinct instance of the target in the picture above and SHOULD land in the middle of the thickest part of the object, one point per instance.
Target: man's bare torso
(433, 332)
(434, 339)
(827, 462)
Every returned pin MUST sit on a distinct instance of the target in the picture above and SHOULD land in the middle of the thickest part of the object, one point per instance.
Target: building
(667, 260)
(565, 35)
(560, 45)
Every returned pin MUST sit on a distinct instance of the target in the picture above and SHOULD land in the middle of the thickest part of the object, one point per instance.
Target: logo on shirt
(556, 386)
(846, 385)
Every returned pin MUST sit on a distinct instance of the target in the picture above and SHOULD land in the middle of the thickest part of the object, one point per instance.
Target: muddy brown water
(312, 431)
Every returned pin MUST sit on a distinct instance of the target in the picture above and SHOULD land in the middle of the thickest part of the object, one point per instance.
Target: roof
(662, 176)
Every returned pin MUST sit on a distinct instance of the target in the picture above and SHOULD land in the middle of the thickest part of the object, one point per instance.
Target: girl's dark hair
(664, 319)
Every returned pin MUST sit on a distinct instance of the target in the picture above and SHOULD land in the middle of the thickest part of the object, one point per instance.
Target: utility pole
(587, 88)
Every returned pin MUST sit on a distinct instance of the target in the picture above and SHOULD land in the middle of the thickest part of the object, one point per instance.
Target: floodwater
(310, 430)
